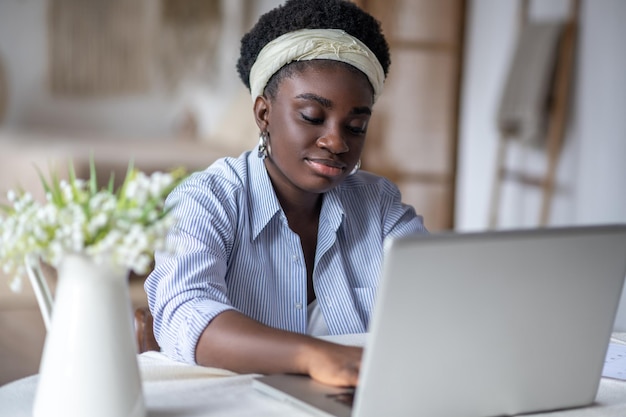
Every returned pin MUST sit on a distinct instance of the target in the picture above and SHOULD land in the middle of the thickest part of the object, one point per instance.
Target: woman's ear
(261, 112)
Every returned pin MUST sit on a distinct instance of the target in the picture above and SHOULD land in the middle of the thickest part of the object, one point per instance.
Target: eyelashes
(312, 120)
(357, 130)
(317, 121)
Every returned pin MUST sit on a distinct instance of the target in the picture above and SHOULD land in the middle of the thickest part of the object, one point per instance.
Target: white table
(173, 389)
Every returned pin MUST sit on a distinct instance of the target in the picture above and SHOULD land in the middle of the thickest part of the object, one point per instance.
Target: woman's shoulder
(228, 171)
(365, 181)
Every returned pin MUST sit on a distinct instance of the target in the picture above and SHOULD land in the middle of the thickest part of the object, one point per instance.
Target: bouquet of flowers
(124, 226)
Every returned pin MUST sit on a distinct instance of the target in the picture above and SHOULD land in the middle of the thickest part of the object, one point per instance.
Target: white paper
(615, 362)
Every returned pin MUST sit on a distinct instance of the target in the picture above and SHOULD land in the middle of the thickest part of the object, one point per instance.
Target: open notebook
(482, 324)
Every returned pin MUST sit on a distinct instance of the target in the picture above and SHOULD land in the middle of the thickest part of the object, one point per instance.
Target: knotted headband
(307, 44)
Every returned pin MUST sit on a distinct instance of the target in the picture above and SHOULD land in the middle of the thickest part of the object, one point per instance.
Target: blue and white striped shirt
(233, 249)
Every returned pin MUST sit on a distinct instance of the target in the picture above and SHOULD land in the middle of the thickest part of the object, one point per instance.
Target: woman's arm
(236, 342)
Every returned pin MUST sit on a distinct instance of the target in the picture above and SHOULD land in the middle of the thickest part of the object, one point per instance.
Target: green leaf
(6, 208)
(53, 187)
(93, 181)
(110, 188)
(130, 173)
(72, 179)
(44, 183)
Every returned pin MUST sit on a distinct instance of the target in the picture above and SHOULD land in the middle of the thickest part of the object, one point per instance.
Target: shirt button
(299, 306)
(295, 258)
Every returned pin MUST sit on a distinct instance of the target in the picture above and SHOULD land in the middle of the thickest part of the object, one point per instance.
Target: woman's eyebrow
(362, 110)
(314, 97)
(329, 104)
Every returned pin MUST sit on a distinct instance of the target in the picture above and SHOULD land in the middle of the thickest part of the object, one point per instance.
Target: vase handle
(40, 287)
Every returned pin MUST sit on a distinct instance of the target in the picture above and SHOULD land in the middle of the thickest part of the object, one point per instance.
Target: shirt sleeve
(187, 289)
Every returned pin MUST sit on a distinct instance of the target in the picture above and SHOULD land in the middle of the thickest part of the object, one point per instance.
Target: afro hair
(312, 14)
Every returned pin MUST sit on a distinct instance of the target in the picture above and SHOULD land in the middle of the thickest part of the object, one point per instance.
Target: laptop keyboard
(346, 397)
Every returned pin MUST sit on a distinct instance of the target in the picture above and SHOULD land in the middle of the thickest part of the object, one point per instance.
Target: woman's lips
(326, 167)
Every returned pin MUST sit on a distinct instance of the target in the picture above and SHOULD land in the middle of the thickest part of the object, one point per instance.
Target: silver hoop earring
(263, 149)
(356, 168)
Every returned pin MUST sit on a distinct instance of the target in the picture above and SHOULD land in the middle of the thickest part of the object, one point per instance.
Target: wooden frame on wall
(413, 134)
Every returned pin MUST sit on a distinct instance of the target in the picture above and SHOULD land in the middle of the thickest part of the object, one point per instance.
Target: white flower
(16, 284)
(127, 224)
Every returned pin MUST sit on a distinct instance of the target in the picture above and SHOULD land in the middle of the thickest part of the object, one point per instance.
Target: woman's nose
(333, 141)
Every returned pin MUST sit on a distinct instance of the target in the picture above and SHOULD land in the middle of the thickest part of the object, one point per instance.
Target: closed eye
(312, 120)
(357, 130)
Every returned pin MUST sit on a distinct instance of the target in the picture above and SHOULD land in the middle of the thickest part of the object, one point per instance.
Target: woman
(286, 242)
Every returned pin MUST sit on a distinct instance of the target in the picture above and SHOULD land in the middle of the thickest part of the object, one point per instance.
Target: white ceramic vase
(89, 364)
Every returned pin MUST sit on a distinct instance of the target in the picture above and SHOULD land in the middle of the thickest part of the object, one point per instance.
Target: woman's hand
(334, 364)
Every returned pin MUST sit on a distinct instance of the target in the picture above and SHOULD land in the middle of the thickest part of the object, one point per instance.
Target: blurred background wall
(178, 88)
(209, 102)
(591, 175)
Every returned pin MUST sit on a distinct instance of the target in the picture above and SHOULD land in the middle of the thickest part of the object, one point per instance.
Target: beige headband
(307, 44)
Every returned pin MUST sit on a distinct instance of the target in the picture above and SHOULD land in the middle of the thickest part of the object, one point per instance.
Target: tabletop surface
(174, 389)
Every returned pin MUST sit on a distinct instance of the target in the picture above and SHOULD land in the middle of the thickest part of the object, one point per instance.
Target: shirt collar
(264, 203)
(332, 209)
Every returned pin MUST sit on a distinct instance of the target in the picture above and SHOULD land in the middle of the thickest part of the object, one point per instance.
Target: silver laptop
(482, 324)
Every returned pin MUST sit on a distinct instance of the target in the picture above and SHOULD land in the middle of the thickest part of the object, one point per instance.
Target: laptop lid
(482, 324)
(498, 323)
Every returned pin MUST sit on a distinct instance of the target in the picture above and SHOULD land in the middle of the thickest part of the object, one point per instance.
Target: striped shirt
(233, 249)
